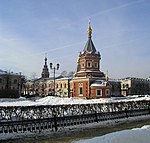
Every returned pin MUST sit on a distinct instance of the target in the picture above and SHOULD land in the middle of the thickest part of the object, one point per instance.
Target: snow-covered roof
(114, 80)
(2, 72)
(88, 71)
(64, 78)
(99, 83)
(134, 78)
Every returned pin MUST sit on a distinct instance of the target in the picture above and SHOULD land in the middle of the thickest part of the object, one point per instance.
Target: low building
(11, 84)
(63, 86)
(115, 87)
(40, 86)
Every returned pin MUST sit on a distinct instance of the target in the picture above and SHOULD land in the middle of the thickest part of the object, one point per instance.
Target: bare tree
(64, 73)
(33, 76)
(70, 74)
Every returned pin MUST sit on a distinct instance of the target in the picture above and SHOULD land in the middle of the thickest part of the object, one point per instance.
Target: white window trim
(80, 85)
(100, 91)
(90, 64)
(96, 64)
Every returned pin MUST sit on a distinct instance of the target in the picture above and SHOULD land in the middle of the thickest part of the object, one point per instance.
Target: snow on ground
(136, 135)
(50, 100)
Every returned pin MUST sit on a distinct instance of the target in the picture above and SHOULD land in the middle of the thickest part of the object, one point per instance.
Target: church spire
(45, 72)
(89, 47)
(89, 29)
(45, 59)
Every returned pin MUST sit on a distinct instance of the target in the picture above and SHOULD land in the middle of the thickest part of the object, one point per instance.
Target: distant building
(45, 72)
(135, 86)
(38, 86)
(11, 84)
(44, 86)
(88, 80)
(115, 87)
(63, 86)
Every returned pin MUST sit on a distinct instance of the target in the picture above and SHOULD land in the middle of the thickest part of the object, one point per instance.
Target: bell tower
(45, 72)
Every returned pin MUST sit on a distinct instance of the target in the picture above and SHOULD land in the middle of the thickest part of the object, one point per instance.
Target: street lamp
(54, 68)
(20, 82)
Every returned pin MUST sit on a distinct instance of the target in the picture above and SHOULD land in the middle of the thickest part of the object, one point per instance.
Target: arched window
(60, 85)
(96, 65)
(80, 89)
(89, 64)
(107, 92)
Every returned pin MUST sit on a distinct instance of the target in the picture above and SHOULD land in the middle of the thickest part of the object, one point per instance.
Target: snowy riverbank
(65, 101)
(50, 100)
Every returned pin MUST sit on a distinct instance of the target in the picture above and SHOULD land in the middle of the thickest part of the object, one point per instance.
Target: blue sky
(31, 28)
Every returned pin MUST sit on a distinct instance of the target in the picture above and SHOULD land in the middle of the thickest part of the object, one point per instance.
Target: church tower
(45, 72)
(88, 80)
(88, 64)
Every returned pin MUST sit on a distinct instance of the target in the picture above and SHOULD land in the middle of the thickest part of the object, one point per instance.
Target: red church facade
(89, 81)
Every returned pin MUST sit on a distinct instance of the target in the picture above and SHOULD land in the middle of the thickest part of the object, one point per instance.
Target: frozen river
(75, 135)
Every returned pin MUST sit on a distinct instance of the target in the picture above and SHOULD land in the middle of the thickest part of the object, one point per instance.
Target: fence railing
(39, 118)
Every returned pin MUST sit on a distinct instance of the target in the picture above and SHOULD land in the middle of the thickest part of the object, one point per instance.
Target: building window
(82, 65)
(65, 85)
(57, 86)
(0, 80)
(96, 65)
(60, 85)
(15, 81)
(107, 92)
(123, 86)
(80, 89)
(89, 64)
(98, 92)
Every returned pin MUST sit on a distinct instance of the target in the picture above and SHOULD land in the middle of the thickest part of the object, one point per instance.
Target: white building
(135, 86)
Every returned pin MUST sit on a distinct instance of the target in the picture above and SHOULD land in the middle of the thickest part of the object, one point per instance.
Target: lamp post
(20, 82)
(54, 68)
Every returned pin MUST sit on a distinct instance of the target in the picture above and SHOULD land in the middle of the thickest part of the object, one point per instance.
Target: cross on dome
(89, 29)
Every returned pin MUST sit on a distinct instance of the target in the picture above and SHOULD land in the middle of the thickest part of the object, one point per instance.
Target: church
(89, 81)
